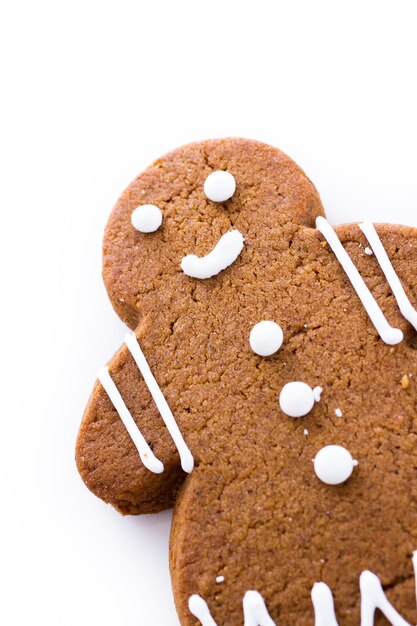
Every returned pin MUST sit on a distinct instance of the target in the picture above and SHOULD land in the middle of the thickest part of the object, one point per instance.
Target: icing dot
(146, 218)
(317, 391)
(334, 465)
(338, 412)
(296, 399)
(266, 338)
(219, 186)
(220, 579)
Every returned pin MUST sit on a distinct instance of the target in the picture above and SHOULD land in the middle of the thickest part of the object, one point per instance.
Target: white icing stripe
(415, 568)
(198, 607)
(224, 253)
(406, 308)
(147, 457)
(373, 597)
(387, 333)
(187, 460)
(254, 610)
(323, 603)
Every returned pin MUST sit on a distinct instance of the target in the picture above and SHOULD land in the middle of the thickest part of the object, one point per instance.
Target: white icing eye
(146, 218)
(266, 338)
(334, 465)
(296, 399)
(219, 186)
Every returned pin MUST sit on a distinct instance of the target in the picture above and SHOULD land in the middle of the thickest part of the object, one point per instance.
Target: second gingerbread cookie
(267, 391)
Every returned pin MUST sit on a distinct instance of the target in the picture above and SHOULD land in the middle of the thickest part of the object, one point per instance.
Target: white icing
(296, 399)
(323, 603)
(317, 391)
(224, 253)
(198, 607)
(387, 333)
(338, 412)
(146, 218)
(254, 610)
(187, 460)
(334, 465)
(372, 598)
(147, 457)
(266, 338)
(406, 308)
(415, 569)
(220, 579)
(219, 186)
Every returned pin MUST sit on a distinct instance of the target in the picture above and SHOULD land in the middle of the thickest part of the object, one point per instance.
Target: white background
(91, 93)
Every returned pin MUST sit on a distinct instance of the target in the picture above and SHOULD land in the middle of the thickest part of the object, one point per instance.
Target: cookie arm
(126, 453)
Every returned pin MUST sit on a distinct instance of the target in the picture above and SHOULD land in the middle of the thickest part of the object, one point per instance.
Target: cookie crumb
(219, 579)
(323, 244)
(405, 381)
(368, 250)
(338, 412)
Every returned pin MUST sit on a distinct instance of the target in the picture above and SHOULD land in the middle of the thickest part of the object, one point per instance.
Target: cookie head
(204, 209)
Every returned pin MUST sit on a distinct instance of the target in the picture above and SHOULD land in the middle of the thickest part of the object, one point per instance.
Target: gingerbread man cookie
(268, 391)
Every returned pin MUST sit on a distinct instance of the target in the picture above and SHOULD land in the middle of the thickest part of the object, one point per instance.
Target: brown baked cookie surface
(256, 513)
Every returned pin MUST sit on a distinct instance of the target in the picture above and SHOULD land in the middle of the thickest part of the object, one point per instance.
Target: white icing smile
(224, 253)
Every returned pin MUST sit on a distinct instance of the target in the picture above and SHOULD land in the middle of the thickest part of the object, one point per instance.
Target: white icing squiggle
(224, 253)
(187, 460)
(406, 308)
(147, 456)
(388, 334)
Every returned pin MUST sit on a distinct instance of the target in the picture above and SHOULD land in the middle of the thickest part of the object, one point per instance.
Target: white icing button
(266, 338)
(296, 399)
(219, 186)
(334, 465)
(146, 218)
